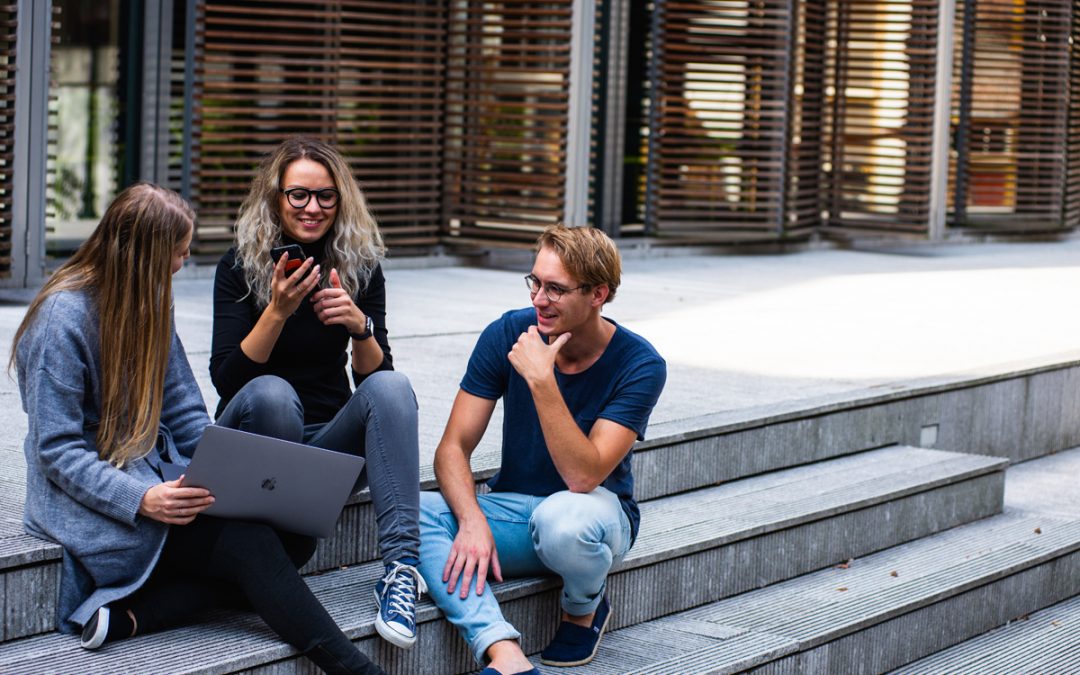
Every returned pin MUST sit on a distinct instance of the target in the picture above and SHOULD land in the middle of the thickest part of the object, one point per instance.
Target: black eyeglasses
(553, 292)
(299, 197)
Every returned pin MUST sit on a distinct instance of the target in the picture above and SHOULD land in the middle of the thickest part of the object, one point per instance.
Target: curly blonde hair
(355, 245)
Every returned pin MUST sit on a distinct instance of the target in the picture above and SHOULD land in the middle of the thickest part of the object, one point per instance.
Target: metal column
(157, 57)
(31, 138)
(576, 209)
(939, 166)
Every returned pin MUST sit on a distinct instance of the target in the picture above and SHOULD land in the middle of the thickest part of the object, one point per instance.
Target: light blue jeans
(378, 422)
(576, 536)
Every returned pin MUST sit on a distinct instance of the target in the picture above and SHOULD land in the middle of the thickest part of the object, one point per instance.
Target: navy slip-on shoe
(576, 645)
(492, 671)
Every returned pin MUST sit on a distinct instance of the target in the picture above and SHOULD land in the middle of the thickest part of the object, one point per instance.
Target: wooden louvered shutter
(1012, 113)
(1071, 207)
(389, 109)
(879, 115)
(364, 76)
(507, 106)
(734, 139)
(8, 24)
(722, 98)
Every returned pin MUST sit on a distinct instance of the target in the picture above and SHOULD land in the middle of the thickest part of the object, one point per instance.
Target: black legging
(214, 562)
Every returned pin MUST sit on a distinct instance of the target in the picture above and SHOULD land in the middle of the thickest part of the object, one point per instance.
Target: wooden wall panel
(1014, 104)
(1071, 207)
(721, 124)
(880, 105)
(365, 76)
(507, 106)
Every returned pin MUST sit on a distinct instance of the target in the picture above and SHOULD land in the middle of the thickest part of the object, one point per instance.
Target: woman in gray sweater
(110, 398)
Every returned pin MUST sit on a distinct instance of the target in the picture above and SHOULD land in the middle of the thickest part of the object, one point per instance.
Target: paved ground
(743, 335)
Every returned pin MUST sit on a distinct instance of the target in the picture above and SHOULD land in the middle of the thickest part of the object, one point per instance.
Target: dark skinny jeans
(213, 562)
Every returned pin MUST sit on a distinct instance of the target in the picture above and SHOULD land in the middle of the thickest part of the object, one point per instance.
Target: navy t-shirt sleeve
(488, 369)
(636, 395)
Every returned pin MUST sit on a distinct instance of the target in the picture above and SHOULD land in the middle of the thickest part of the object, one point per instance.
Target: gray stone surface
(1041, 503)
(874, 613)
(744, 336)
(1046, 485)
(774, 361)
(772, 529)
(1047, 641)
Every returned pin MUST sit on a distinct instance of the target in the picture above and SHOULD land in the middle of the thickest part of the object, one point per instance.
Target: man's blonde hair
(589, 255)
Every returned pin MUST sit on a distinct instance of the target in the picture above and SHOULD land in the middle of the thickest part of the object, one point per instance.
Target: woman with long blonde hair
(283, 328)
(111, 400)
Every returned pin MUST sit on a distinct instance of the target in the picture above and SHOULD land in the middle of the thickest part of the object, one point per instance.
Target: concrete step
(879, 612)
(664, 466)
(716, 542)
(1047, 641)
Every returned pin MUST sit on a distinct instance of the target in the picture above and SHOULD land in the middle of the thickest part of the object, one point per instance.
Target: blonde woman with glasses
(301, 288)
(111, 400)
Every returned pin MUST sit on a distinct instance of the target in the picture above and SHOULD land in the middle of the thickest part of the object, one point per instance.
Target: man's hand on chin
(532, 357)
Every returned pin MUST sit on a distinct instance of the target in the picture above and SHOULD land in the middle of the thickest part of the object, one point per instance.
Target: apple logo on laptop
(269, 484)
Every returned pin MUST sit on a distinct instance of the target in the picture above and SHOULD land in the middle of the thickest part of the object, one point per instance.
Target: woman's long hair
(355, 245)
(126, 267)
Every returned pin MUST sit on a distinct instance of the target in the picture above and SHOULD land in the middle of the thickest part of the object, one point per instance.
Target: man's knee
(569, 515)
(568, 527)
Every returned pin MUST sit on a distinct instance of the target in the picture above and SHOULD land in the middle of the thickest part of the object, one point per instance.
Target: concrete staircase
(873, 614)
(1047, 641)
(742, 563)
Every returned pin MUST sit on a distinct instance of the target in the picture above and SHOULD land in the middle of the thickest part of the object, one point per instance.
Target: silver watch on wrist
(369, 330)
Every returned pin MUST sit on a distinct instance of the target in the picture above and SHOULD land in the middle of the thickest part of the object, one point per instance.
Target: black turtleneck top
(309, 355)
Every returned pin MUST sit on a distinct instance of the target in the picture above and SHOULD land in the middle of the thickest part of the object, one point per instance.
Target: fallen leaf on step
(1038, 530)
(893, 574)
(842, 589)
(845, 565)
(1055, 623)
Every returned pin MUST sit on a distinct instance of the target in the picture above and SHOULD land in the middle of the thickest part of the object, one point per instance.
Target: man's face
(572, 309)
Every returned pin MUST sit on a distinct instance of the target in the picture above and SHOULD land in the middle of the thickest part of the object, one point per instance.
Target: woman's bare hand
(287, 292)
(172, 503)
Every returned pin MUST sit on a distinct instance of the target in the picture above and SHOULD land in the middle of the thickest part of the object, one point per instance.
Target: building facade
(475, 124)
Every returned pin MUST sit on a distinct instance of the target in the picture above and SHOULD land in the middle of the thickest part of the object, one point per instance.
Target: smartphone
(296, 256)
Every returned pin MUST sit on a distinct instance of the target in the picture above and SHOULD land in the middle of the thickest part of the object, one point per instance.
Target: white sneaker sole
(101, 630)
(388, 632)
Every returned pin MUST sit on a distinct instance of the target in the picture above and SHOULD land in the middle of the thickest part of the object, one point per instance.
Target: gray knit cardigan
(74, 498)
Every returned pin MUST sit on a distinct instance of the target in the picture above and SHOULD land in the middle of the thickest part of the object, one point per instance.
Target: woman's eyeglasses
(299, 197)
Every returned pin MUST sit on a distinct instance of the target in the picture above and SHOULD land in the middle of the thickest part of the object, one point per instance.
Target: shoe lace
(400, 585)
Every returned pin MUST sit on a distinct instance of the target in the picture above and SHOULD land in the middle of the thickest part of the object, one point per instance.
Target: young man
(577, 392)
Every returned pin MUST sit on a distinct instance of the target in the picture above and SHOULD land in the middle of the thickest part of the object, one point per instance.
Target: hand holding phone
(296, 256)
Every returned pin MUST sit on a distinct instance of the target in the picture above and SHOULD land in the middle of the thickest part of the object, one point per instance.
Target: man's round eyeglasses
(553, 292)
(299, 197)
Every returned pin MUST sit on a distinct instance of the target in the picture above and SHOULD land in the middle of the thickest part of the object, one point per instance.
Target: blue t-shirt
(622, 386)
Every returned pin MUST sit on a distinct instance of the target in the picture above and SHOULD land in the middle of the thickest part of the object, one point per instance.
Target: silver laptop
(291, 486)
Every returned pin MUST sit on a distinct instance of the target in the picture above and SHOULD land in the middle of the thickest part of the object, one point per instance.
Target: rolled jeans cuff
(500, 630)
(583, 608)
